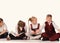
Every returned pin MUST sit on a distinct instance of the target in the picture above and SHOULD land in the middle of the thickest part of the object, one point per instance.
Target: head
(21, 24)
(33, 20)
(49, 18)
(1, 21)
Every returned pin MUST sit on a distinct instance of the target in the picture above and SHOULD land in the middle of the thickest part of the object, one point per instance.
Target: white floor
(26, 41)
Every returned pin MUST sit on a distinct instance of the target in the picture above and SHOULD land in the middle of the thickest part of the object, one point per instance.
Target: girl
(34, 28)
(3, 29)
(21, 32)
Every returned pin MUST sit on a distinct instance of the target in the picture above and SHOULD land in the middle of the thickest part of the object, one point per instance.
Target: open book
(15, 33)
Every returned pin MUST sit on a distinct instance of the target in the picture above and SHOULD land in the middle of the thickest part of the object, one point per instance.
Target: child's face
(48, 19)
(1, 23)
(34, 21)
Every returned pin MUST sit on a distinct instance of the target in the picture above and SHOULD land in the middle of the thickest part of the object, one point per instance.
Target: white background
(14, 10)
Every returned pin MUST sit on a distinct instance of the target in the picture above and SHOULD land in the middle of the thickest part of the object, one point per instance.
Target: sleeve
(30, 29)
(16, 31)
(55, 26)
(5, 27)
(42, 27)
(25, 28)
(39, 32)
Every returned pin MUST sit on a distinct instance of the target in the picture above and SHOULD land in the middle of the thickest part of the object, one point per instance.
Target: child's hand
(37, 31)
(58, 30)
(17, 35)
(33, 32)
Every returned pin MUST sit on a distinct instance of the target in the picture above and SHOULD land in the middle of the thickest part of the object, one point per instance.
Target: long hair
(20, 24)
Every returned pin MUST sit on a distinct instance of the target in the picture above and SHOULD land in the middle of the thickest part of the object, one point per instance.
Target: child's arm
(56, 27)
(4, 29)
(30, 31)
(25, 29)
(38, 30)
(15, 33)
(3, 32)
(42, 28)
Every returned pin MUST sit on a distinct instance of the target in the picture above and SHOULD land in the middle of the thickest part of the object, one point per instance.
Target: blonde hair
(31, 19)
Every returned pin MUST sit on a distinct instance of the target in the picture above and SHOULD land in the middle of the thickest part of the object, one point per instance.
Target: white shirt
(55, 26)
(34, 27)
(3, 27)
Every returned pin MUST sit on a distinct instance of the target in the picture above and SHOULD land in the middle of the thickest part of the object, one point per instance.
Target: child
(3, 29)
(34, 28)
(49, 27)
(21, 32)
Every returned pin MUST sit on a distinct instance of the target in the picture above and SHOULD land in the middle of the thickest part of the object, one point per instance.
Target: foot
(8, 38)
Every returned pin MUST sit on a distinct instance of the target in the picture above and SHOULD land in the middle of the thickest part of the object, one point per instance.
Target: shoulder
(4, 25)
(44, 24)
(53, 22)
(38, 23)
(30, 25)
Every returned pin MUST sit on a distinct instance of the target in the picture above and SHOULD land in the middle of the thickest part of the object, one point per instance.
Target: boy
(49, 27)
(3, 29)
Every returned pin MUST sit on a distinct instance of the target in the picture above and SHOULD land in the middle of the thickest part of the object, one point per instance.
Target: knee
(10, 34)
(6, 33)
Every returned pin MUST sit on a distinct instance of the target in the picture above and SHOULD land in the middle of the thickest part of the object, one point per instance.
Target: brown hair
(1, 19)
(49, 15)
(20, 24)
(30, 19)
